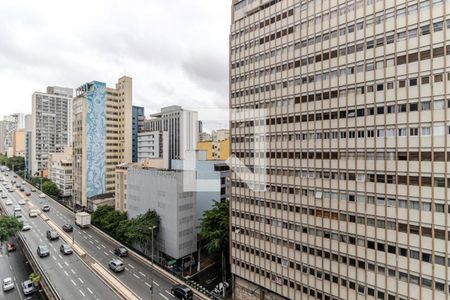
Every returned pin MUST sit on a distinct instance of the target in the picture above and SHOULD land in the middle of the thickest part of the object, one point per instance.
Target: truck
(82, 219)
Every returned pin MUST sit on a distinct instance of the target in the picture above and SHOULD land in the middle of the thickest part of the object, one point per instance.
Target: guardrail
(46, 284)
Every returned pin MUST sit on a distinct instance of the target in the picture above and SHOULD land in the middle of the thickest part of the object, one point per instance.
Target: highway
(68, 274)
(137, 276)
(13, 265)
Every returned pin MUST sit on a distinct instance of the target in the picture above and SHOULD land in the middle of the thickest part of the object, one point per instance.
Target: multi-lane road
(69, 275)
(138, 277)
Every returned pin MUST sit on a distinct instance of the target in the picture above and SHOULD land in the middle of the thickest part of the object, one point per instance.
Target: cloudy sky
(175, 50)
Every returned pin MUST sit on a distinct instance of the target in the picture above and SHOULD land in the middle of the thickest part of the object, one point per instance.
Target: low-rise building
(60, 170)
(19, 142)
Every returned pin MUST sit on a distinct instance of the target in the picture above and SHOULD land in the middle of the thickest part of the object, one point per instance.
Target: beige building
(19, 142)
(102, 137)
(60, 170)
(357, 135)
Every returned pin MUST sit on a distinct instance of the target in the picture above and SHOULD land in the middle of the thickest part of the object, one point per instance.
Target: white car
(8, 202)
(42, 195)
(26, 227)
(4, 196)
(33, 189)
(33, 213)
(8, 284)
(21, 202)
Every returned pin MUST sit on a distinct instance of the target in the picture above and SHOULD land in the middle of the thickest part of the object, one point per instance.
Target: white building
(60, 170)
(51, 125)
(182, 128)
(149, 145)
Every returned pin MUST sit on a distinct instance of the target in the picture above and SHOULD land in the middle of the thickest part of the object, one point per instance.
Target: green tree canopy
(108, 219)
(9, 226)
(215, 228)
(50, 188)
(139, 229)
(15, 163)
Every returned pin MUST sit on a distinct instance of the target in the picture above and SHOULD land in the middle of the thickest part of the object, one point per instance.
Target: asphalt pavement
(137, 276)
(68, 274)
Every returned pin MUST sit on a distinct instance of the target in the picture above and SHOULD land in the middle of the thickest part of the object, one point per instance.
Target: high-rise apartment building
(7, 129)
(102, 137)
(138, 126)
(182, 127)
(357, 138)
(51, 125)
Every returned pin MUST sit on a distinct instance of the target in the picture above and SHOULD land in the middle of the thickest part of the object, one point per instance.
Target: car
(13, 181)
(18, 186)
(42, 195)
(67, 228)
(42, 251)
(18, 214)
(21, 202)
(121, 251)
(22, 189)
(33, 189)
(66, 249)
(8, 202)
(28, 287)
(15, 176)
(218, 290)
(10, 190)
(27, 194)
(23, 182)
(52, 235)
(11, 247)
(33, 213)
(116, 265)
(8, 284)
(4, 196)
(182, 291)
(46, 208)
(26, 227)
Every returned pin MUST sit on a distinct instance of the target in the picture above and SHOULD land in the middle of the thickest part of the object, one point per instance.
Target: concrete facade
(60, 170)
(138, 126)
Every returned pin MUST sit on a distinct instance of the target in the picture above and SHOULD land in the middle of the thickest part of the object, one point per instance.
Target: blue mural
(96, 139)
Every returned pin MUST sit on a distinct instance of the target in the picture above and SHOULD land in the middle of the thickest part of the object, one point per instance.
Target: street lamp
(151, 271)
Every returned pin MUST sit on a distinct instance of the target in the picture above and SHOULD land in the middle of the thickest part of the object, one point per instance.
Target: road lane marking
(71, 270)
(136, 276)
(99, 248)
(131, 266)
(106, 253)
(155, 283)
(103, 246)
(74, 283)
(96, 241)
(66, 263)
(82, 293)
(82, 282)
(170, 293)
(164, 296)
(142, 274)
(60, 265)
(54, 258)
(148, 284)
(89, 290)
(65, 272)
(91, 242)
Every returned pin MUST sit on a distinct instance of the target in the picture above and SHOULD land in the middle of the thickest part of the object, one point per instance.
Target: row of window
(411, 32)
(392, 249)
(358, 89)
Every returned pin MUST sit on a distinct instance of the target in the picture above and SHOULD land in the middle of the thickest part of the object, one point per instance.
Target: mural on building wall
(96, 135)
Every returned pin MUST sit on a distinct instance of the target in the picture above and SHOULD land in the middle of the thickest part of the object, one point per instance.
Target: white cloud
(175, 50)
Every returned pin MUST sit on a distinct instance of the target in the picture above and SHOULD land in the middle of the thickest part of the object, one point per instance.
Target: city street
(14, 265)
(70, 276)
(137, 276)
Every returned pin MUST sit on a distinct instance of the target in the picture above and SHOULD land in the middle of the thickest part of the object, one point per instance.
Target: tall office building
(6, 130)
(51, 125)
(138, 126)
(102, 137)
(355, 205)
(182, 127)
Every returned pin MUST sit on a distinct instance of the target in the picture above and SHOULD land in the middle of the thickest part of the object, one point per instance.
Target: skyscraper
(355, 205)
(138, 126)
(51, 125)
(102, 137)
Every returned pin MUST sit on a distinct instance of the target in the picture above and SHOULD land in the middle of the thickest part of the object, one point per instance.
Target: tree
(139, 229)
(50, 188)
(15, 163)
(9, 226)
(107, 219)
(36, 181)
(214, 228)
(34, 278)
